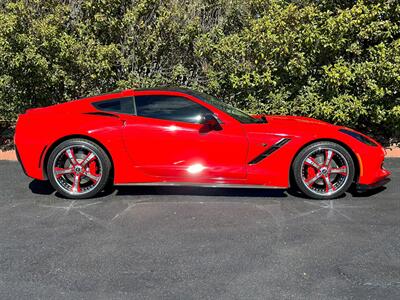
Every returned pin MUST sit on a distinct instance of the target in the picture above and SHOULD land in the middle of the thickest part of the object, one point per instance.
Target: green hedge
(333, 60)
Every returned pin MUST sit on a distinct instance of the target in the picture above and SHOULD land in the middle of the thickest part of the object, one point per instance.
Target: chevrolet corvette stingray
(183, 137)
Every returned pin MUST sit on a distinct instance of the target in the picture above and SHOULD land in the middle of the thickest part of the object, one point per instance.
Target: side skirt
(207, 185)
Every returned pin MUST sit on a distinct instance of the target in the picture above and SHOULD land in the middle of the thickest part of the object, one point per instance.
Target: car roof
(168, 89)
(130, 92)
(156, 89)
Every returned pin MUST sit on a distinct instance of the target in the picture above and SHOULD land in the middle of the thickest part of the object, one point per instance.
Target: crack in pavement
(334, 207)
(123, 211)
(71, 206)
(360, 282)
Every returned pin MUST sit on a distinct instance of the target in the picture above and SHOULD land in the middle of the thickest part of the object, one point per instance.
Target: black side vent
(269, 151)
(100, 113)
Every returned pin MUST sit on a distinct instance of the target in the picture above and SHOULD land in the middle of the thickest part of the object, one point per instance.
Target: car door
(165, 138)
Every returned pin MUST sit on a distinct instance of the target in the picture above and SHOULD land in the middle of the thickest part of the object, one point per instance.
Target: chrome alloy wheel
(77, 169)
(324, 171)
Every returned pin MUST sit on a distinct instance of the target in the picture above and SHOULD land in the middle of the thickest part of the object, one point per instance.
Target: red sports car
(183, 137)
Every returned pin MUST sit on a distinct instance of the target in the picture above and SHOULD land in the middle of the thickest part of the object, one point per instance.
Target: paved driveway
(183, 243)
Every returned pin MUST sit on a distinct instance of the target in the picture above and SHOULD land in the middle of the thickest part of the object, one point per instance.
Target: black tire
(102, 161)
(344, 181)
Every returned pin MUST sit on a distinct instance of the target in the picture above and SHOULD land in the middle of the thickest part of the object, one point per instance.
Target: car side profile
(184, 137)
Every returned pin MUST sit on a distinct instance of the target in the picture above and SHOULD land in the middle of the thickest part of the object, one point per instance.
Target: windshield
(235, 113)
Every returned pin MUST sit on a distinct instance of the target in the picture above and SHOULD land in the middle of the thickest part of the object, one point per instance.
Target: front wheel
(323, 170)
(78, 169)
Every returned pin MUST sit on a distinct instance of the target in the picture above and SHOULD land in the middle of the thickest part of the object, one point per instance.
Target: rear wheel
(78, 169)
(323, 170)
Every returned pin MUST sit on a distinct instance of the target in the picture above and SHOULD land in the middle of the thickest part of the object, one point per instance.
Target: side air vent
(269, 151)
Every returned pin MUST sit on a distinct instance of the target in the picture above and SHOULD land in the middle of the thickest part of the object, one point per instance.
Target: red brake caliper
(93, 168)
(311, 173)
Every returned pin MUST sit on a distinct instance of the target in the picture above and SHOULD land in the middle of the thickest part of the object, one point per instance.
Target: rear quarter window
(119, 105)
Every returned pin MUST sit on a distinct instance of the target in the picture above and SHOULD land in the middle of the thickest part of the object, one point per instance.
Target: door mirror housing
(210, 122)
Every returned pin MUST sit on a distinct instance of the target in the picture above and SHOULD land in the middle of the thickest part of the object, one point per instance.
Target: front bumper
(367, 187)
(371, 165)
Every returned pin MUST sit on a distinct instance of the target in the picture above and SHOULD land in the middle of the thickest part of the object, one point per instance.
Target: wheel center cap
(78, 169)
(324, 171)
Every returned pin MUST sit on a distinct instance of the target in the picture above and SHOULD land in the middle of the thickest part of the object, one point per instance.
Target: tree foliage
(334, 60)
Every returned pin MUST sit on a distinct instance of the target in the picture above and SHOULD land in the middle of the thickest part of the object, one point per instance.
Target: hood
(292, 125)
(296, 120)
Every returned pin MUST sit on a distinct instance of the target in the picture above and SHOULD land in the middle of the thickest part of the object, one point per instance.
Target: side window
(120, 105)
(173, 108)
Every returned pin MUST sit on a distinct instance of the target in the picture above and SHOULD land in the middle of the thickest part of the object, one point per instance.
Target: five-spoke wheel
(323, 170)
(78, 168)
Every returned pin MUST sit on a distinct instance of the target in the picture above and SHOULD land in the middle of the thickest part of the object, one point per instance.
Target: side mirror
(210, 122)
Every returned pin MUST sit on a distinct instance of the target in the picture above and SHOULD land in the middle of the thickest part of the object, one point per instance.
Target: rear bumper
(20, 161)
(366, 187)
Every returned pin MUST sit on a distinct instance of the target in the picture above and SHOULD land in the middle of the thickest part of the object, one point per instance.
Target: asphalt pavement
(197, 243)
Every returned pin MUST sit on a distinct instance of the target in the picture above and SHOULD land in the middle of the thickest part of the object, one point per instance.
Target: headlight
(359, 137)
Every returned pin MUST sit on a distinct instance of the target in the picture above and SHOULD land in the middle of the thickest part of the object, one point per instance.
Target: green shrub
(334, 60)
